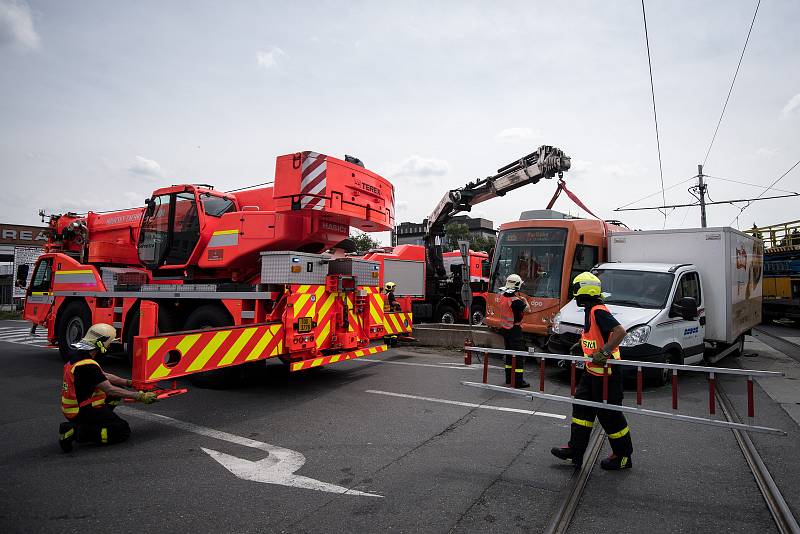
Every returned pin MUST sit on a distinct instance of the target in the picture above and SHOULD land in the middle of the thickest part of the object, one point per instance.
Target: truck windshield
(536, 255)
(216, 206)
(640, 289)
(154, 236)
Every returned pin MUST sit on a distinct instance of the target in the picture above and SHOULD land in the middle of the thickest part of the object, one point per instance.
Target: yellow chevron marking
(397, 326)
(335, 359)
(161, 372)
(261, 345)
(187, 343)
(323, 310)
(153, 345)
(278, 349)
(237, 346)
(323, 334)
(209, 350)
(297, 366)
(225, 232)
(358, 353)
(303, 289)
(316, 362)
(376, 317)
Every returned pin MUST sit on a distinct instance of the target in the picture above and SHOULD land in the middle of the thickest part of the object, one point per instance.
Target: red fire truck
(214, 280)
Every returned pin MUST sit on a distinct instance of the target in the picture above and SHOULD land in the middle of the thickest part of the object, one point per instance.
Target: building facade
(411, 233)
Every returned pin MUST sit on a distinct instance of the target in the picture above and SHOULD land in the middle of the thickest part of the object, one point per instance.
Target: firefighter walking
(600, 341)
(89, 395)
(512, 308)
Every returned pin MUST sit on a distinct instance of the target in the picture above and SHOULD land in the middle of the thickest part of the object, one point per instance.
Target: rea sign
(15, 234)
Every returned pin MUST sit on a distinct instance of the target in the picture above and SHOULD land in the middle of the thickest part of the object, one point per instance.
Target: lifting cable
(655, 115)
(724, 107)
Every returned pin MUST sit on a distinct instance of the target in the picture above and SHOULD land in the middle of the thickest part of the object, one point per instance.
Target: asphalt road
(380, 427)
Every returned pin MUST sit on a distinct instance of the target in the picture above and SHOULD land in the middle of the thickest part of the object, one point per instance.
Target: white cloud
(146, 168)
(511, 135)
(269, 58)
(766, 152)
(420, 170)
(16, 25)
(790, 106)
(401, 205)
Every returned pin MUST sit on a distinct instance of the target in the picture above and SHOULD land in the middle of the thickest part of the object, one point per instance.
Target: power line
(747, 183)
(657, 192)
(731, 201)
(713, 138)
(759, 197)
(249, 187)
(655, 115)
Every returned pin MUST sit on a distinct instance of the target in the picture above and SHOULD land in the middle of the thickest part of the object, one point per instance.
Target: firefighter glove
(598, 358)
(147, 397)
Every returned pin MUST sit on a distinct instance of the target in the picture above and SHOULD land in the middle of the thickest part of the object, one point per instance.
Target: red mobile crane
(200, 281)
(421, 272)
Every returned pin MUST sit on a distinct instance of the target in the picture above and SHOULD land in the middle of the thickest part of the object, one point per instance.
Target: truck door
(39, 295)
(690, 334)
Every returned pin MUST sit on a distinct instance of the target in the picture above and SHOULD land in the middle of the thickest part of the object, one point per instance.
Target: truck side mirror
(22, 275)
(685, 307)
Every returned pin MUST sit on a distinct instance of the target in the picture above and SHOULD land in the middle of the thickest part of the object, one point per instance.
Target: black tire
(73, 323)
(446, 315)
(478, 314)
(662, 377)
(165, 324)
(211, 316)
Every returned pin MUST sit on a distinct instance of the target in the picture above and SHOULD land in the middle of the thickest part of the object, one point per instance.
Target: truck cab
(660, 305)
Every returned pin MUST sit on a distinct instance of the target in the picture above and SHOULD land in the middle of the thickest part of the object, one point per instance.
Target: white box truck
(680, 294)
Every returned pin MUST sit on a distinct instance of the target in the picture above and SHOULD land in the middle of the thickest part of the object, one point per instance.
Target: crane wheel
(211, 316)
(73, 322)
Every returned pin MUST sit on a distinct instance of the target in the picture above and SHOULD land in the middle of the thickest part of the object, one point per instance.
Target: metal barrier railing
(640, 366)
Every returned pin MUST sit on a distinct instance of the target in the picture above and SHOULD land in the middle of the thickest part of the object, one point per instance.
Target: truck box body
(730, 264)
(408, 275)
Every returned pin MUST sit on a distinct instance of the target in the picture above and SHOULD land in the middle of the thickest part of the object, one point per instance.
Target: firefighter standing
(600, 341)
(89, 395)
(391, 299)
(512, 308)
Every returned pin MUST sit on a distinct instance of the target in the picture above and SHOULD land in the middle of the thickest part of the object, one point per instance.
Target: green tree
(363, 241)
(459, 231)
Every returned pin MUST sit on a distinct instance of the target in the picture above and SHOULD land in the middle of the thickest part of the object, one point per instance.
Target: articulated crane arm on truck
(546, 162)
(200, 281)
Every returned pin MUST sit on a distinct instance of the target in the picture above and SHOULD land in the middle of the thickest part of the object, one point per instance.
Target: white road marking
(456, 366)
(468, 404)
(277, 468)
(21, 336)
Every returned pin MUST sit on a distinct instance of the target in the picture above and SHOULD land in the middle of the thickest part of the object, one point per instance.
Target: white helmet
(99, 336)
(513, 283)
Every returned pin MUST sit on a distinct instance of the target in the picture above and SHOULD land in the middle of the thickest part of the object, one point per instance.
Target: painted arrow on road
(277, 468)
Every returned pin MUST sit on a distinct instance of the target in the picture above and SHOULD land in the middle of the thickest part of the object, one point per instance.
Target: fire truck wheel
(478, 314)
(446, 314)
(211, 316)
(73, 323)
(165, 324)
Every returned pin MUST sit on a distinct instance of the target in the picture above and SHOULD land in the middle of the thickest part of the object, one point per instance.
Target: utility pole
(701, 188)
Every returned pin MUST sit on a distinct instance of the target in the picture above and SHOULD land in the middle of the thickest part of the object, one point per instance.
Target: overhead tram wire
(250, 186)
(655, 115)
(730, 91)
(748, 183)
(657, 192)
(759, 197)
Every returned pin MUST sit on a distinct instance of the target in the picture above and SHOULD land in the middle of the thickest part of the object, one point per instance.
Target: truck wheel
(446, 315)
(478, 314)
(211, 316)
(663, 377)
(165, 324)
(73, 324)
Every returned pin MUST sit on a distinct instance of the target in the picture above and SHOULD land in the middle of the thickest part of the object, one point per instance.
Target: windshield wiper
(625, 303)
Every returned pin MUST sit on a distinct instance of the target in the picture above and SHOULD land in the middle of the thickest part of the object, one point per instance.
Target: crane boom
(545, 162)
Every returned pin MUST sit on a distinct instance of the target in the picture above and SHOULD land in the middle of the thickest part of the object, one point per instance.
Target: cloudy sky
(101, 102)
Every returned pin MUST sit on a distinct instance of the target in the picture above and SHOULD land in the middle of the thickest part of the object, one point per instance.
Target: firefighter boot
(616, 463)
(568, 453)
(520, 382)
(66, 436)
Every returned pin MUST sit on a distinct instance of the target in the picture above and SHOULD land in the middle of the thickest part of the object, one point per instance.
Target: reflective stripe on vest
(592, 341)
(69, 400)
(506, 313)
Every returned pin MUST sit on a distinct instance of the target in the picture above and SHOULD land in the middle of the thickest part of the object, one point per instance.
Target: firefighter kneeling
(89, 395)
(600, 341)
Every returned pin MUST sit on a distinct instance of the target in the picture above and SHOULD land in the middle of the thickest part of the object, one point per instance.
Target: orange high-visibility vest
(506, 313)
(592, 341)
(69, 399)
